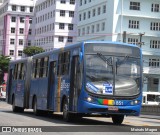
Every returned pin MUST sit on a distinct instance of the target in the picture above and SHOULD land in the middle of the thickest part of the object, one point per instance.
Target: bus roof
(81, 43)
(20, 60)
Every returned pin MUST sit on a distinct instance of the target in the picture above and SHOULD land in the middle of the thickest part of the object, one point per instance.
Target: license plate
(112, 108)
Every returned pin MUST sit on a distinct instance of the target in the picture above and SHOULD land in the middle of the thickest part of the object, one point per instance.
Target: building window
(29, 42)
(154, 63)
(92, 28)
(88, 29)
(83, 31)
(61, 26)
(31, 9)
(84, 16)
(97, 28)
(20, 53)
(21, 30)
(155, 26)
(156, 81)
(104, 8)
(133, 24)
(63, 1)
(13, 19)
(70, 39)
(80, 17)
(155, 8)
(12, 30)
(89, 14)
(20, 41)
(93, 12)
(99, 11)
(60, 39)
(80, 3)
(155, 44)
(30, 32)
(11, 52)
(85, 1)
(23, 8)
(30, 20)
(70, 26)
(12, 41)
(62, 12)
(71, 13)
(79, 32)
(21, 19)
(103, 26)
(14, 8)
(133, 41)
(72, 1)
(134, 5)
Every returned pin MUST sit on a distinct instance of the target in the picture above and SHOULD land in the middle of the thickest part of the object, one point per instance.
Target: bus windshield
(112, 75)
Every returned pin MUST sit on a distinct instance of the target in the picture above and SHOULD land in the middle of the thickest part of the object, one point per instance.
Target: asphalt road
(88, 125)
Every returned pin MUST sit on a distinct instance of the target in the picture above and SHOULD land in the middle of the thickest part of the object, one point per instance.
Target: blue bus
(93, 77)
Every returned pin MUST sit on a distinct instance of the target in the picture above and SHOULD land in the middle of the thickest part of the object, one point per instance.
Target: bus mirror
(80, 56)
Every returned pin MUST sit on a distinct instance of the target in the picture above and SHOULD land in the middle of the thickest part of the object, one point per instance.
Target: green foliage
(32, 50)
(4, 63)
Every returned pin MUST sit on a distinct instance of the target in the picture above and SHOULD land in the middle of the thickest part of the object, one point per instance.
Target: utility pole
(141, 43)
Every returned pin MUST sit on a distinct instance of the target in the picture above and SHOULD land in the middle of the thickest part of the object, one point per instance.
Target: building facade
(108, 19)
(16, 27)
(55, 23)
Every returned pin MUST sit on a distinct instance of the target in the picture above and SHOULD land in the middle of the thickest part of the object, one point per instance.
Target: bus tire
(117, 119)
(14, 107)
(35, 110)
(66, 114)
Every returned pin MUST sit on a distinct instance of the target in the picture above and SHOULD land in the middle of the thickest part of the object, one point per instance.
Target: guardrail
(150, 109)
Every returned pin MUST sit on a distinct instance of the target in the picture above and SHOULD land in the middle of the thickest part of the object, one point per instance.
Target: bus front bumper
(89, 108)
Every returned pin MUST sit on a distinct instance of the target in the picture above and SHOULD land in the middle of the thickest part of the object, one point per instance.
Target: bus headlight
(89, 99)
(135, 102)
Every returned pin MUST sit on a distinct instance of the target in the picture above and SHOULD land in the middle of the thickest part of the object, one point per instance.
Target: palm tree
(4, 63)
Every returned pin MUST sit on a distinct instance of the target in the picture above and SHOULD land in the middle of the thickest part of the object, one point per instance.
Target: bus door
(74, 89)
(9, 85)
(51, 85)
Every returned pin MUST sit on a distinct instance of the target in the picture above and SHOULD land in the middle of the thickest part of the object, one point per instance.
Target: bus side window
(21, 70)
(41, 67)
(36, 74)
(63, 63)
(38, 68)
(33, 70)
(15, 76)
(45, 70)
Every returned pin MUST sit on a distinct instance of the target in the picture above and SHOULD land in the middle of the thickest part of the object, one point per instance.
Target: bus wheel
(14, 108)
(66, 114)
(35, 110)
(117, 119)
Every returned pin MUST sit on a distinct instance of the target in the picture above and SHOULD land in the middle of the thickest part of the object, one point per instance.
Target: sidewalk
(150, 116)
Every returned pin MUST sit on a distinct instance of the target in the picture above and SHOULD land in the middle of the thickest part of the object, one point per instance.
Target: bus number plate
(112, 108)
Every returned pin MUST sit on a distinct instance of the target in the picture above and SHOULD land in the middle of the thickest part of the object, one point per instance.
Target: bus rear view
(113, 78)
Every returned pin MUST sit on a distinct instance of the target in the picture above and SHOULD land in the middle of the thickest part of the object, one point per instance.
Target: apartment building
(108, 19)
(55, 23)
(16, 30)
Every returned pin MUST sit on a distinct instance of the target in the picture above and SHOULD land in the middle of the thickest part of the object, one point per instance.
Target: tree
(4, 63)
(32, 50)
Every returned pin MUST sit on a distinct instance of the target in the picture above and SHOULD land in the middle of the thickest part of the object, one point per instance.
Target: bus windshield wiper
(119, 62)
(109, 60)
